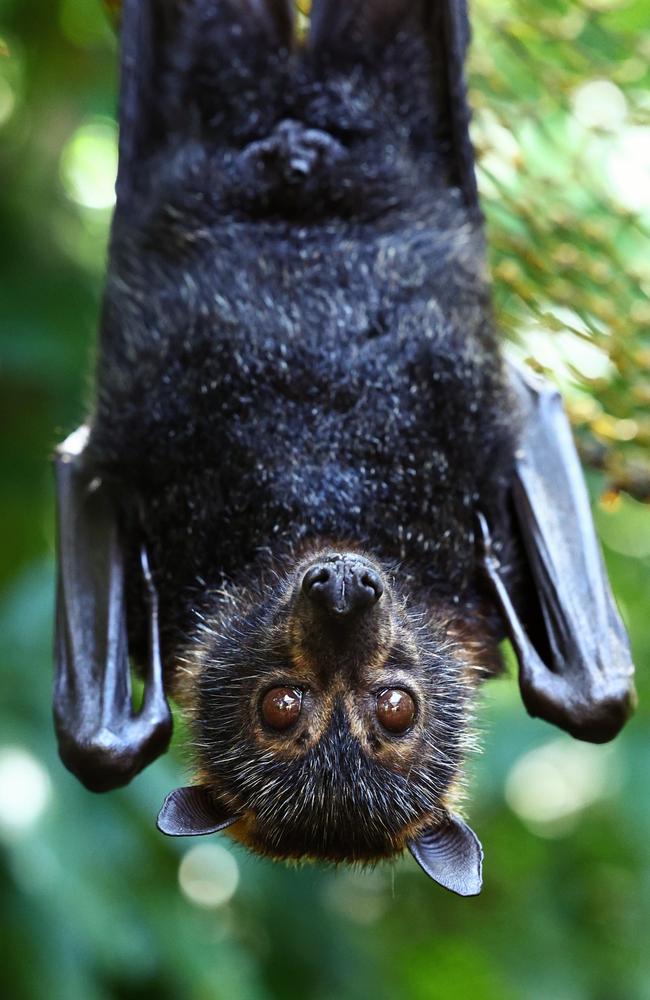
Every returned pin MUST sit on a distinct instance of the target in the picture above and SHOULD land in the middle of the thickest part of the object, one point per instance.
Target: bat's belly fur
(270, 383)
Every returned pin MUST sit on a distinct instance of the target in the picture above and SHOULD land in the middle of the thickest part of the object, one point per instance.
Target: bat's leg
(586, 686)
(158, 33)
(338, 26)
(102, 740)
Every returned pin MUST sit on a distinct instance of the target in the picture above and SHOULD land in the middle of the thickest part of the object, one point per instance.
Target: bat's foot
(292, 154)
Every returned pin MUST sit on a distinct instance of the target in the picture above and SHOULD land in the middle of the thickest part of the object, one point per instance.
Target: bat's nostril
(372, 584)
(323, 586)
(315, 579)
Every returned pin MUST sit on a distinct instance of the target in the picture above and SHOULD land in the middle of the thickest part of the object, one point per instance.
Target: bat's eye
(281, 707)
(395, 710)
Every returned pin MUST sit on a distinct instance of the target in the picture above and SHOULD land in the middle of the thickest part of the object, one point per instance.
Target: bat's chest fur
(271, 385)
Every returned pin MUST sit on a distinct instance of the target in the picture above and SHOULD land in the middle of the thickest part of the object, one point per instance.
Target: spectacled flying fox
(311, 497)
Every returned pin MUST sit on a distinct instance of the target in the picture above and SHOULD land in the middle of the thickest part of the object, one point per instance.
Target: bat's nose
(343, 586)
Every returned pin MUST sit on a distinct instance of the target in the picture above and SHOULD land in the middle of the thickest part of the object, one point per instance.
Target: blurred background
(94, 903)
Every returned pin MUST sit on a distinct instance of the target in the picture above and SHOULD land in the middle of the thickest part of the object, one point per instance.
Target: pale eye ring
(395, 709)
(281, 707)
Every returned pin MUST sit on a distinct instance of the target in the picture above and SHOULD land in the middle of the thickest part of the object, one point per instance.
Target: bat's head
(329, 719)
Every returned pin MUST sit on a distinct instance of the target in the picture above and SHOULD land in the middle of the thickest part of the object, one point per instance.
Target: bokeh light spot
(7, 101)
(628, 168)
(208, 875)
(89, 165)
(600, 104)
(624, 526)
(25, 790)
(557, 781)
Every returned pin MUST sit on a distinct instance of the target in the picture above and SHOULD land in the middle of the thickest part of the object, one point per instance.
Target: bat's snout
(340, 613)
(342, 586)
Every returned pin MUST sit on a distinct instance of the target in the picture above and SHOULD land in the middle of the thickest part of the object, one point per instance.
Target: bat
(312, 497)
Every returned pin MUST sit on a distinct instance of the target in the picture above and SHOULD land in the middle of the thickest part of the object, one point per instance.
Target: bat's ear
(451, 854)
(192, 812)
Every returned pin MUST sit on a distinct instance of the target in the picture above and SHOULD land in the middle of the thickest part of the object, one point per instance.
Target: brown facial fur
(292, 787)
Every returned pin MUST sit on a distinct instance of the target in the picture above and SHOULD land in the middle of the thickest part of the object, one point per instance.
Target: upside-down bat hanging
(311, 497)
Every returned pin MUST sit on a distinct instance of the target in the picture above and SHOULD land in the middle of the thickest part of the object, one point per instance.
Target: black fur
(297, 349)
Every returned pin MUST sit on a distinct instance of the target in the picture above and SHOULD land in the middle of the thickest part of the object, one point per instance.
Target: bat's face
(327, 714)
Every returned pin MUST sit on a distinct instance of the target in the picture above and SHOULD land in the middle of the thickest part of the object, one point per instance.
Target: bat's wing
(445, 25)
(582, 681)
(102, 740)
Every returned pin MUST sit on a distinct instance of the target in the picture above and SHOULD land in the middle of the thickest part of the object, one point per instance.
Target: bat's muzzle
(342, 586)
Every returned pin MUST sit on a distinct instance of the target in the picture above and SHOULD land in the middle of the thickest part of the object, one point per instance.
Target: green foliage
(561, 92)
(91, 904)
